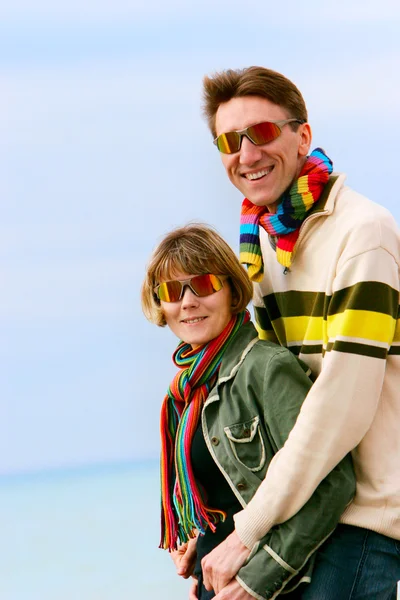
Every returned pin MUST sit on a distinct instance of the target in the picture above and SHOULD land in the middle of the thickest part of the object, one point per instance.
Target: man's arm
(342, 403)
(340, 407)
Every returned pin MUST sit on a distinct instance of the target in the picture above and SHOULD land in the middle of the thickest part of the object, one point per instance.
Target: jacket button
(214, 441)
(241, 486)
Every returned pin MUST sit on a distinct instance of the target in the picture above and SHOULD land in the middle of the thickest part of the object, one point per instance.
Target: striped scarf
(183, 508)
(285, 224)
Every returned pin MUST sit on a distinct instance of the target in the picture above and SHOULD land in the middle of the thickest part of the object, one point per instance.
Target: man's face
(262, 173)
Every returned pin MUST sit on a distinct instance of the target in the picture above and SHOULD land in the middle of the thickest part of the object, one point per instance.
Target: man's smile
(257, 174)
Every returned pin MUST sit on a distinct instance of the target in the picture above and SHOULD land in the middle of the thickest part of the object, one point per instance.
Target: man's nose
(249, 152)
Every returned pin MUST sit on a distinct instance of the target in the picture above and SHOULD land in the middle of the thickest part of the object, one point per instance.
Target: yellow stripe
(308, 200)
(264, 334)
(309, 329)
(284, 257)
(249, 257)
(396, 337)
(362, 324)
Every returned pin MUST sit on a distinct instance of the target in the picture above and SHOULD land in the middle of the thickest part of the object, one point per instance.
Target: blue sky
(103, 149)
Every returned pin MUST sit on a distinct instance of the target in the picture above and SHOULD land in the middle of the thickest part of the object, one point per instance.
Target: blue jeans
(355, 564)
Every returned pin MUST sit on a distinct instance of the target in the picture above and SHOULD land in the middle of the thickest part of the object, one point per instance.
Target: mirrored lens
(201, 285)
(204, 285)
(169, 291)
(262, 133)
(228, 143)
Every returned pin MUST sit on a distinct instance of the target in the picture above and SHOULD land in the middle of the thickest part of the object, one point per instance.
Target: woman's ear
(235, 300)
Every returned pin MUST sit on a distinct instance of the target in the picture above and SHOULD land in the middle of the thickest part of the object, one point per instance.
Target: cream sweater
(338, 310)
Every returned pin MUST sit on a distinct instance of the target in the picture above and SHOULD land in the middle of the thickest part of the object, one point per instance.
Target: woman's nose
(189, 298)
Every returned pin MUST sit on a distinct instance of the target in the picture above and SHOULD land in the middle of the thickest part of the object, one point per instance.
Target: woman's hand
(193, 590)
(185, 558)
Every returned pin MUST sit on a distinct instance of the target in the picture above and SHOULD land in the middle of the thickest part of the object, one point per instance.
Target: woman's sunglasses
(201, 285)
(259, 134)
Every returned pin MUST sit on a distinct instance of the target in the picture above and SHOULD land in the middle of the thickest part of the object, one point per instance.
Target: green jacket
(246, 420)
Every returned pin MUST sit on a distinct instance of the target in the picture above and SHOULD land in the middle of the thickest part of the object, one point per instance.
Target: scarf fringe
(183, 507)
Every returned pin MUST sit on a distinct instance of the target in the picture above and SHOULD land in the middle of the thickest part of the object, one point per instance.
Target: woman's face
(197, 320)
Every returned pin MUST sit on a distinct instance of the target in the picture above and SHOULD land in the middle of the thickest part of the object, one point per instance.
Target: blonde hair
(195, 249)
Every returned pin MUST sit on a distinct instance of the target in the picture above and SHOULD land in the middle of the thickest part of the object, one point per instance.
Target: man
(325, 262)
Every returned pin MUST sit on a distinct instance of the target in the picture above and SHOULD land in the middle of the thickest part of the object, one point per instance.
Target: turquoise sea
(87, 534)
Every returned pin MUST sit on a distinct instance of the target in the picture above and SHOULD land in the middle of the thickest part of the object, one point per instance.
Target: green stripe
(311, 349)
(262, 318)
(367, 295)
(295, 304)
(394, 351)
(305, 349)
(356, 348)
(252, 248)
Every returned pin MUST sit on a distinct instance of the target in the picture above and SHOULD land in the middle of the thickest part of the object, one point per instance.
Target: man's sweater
(337, 308)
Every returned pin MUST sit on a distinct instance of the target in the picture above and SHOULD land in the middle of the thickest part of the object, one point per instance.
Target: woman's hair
(252, 81)
(195, 249)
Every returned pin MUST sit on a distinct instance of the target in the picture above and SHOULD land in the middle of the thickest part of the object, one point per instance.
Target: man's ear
(305, 139)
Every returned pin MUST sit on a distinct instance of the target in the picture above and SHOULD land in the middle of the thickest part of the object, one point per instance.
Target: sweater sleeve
(360, 322)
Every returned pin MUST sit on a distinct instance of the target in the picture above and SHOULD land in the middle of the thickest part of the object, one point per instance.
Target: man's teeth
(257, 175)
(194, 320)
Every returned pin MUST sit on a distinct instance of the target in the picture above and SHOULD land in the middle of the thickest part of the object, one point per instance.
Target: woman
(228, 410)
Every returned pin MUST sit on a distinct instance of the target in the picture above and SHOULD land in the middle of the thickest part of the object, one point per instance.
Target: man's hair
(251, 81)
(195, 249)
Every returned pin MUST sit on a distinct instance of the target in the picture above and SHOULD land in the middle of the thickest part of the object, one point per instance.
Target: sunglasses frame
(187, 282)
(245, 132)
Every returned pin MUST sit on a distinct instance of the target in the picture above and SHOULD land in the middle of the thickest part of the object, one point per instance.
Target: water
(84, 535)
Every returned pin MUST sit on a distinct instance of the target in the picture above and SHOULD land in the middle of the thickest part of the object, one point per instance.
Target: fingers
(188, 560)
(193, 590)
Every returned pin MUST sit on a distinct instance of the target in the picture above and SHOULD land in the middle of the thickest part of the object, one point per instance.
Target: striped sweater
(338, 310)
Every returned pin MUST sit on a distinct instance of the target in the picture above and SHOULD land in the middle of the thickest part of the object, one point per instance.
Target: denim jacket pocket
(247, 443)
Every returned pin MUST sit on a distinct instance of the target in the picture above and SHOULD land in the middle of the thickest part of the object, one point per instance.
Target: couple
(256, 464)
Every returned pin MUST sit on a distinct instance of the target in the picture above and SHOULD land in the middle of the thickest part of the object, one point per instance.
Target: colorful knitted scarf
(285, 224)
(183, 508)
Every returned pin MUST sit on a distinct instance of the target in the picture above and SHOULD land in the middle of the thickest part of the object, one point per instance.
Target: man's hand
(233, 591)
(185, 558)
(222, 564)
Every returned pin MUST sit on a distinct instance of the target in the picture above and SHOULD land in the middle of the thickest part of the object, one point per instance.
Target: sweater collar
(326, 202)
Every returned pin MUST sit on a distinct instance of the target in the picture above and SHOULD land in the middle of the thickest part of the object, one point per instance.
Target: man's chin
(263, 201)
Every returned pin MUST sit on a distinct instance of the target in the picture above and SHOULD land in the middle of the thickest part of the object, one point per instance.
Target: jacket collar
(235, 354)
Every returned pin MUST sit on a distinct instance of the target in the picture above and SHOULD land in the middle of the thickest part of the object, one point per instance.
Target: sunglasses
(259, 134)
(201, 285)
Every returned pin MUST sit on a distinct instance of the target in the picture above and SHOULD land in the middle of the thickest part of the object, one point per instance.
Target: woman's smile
(198, 319)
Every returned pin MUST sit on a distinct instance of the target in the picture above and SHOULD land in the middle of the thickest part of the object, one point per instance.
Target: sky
(103, 149)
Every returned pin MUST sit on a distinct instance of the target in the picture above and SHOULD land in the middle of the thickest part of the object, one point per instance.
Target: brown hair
(252, 81)
(195, 249)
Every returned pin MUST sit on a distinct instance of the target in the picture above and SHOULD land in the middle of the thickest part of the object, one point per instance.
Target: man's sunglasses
(201, 285)
(259, 134)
